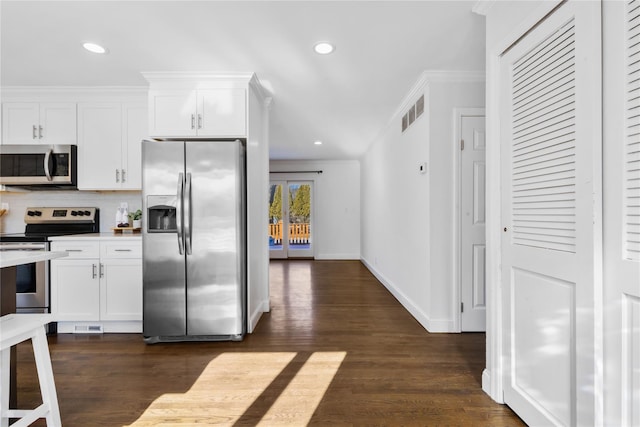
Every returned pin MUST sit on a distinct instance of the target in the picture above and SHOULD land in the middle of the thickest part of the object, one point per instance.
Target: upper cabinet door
(172, 113)
(34, 123)
(57, 123)
(222, 112)
(100, 150)
(134, 130)
(20, 122)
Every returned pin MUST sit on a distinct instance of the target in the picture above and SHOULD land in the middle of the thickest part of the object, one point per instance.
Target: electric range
(32, 280)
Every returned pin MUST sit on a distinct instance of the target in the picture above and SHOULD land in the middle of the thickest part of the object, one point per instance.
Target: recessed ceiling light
(95, 48)
(318, 143)
(323, 48)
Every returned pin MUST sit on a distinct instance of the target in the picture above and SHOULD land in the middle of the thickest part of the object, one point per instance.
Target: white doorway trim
(458, 114)
(288, 177)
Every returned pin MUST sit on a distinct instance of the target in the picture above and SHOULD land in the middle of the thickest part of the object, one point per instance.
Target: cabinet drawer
(121, 249)
(78, 249)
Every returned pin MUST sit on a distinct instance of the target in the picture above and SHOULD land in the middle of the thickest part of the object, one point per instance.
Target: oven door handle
(47, 161)
(23, 247)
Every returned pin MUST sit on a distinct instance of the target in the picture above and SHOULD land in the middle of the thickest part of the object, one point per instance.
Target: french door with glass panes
(290, 219)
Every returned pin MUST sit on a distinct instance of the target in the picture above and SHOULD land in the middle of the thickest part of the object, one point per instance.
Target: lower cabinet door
(121, 289)
(75, 289)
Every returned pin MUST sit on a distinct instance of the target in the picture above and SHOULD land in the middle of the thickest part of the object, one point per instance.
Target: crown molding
(195, 76)
(10, 90)
(482, 7)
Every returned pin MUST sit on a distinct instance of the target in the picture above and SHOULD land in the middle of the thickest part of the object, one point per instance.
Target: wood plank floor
(336, 349)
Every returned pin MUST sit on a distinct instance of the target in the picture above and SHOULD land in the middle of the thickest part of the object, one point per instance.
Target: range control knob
(31, 213)
(74, 213)
(87, 213)
(38, 213)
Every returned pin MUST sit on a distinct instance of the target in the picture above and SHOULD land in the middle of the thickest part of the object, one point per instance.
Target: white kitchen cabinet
(109, 149)
(39, 123)
(217, 112)
(75, 285)
(134, 130)
(77, 293)
(121, 281)
(98, 286)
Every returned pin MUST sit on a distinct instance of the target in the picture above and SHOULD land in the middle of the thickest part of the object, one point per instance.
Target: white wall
(408, 217)
(336, 204)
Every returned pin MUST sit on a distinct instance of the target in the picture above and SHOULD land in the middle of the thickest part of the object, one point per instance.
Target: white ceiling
(344, 99)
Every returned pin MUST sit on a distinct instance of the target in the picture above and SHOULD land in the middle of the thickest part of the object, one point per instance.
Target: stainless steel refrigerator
(194, 240)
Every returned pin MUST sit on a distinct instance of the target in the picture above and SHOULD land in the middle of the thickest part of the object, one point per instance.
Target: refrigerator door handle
(179, 206)
(187, 215)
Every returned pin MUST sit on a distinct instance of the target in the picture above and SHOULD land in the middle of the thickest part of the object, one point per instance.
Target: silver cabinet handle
(193, 121)
(199, 121)
(117, 175)
(40, 129)
(47, 159)
(123, 176)
(34, 132)
(74, 250)
(101, 270)
(179, 213)
(122, 250)
(93, 271)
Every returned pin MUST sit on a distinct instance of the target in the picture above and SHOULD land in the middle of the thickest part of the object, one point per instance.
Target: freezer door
(215, 238)
(163, 267)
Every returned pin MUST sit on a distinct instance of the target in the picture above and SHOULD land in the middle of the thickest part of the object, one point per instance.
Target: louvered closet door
(630, 265)
(622, 213)
(549, 135)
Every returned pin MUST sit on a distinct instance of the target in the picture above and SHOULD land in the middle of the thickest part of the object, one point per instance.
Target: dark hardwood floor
(336, 349)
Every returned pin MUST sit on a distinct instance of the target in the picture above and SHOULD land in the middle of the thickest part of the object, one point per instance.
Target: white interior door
(622, 213)
(550, 141)
(472, 224)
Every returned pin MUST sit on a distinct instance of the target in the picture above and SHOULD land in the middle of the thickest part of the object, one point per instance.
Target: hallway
(332, 327)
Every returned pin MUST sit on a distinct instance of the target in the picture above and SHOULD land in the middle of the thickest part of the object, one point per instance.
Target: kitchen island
(8, 262)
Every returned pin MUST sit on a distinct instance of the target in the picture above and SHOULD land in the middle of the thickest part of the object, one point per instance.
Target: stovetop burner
(42, 223)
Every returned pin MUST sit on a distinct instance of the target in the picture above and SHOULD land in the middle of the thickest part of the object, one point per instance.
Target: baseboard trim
(254, 318)
(431, 325)
(337, 257)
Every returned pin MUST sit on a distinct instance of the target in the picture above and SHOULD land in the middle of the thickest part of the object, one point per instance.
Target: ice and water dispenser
(161, 215)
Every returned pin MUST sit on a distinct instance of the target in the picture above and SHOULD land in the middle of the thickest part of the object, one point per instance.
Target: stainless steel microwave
(43, 166)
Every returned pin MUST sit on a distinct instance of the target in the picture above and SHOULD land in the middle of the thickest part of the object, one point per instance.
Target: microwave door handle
(179, 213)
(187, 215)
(47, 163)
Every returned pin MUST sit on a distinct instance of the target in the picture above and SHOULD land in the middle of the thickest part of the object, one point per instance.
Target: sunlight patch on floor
(232, 382)
(299, 400)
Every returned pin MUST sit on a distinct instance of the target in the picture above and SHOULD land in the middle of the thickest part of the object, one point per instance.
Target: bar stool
(14, 329)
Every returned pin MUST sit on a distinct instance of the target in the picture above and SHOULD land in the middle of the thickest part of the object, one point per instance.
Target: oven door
(32, 280)
(39, 165)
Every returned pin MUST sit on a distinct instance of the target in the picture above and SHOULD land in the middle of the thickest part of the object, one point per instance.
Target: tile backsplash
(107, 202)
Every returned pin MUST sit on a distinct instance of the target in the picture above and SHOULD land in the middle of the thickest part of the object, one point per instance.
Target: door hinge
(461, 144)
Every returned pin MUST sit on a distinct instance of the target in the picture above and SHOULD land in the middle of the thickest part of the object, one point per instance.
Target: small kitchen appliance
(32, 280)
(42, 167)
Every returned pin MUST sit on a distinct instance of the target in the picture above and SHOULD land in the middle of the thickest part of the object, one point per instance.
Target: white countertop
(13, 258)
(98, 236)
